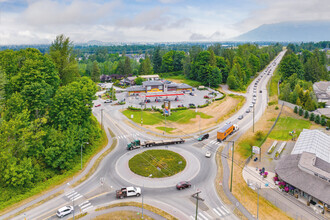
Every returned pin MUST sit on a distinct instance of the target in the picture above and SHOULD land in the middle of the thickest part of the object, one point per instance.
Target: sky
(40, 21)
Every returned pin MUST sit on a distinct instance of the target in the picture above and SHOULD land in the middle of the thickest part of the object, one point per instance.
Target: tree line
(45, 109)
(298, 73)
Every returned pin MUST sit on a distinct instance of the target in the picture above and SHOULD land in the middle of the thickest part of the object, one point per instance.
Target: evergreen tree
(96, 73)
(312, 117)
(301, 111)
(127, 66)
(306, 115)
(323, 122)
(157, 60)
(317, 119)
(295, 110)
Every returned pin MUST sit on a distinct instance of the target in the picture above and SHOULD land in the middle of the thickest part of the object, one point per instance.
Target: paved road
(98, 190)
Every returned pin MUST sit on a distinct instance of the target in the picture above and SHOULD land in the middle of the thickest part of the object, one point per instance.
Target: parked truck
(226, 130)
(128, 191)
(137, 143)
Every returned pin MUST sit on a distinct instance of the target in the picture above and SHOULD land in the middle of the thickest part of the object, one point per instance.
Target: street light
(232, 165)
(143, 193)
(72, 203)
(81, 152)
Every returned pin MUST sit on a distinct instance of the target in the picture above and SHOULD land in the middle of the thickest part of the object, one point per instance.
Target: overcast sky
(39, 21)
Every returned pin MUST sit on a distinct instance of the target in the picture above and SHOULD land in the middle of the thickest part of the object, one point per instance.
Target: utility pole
(196, 196)
(232, 165)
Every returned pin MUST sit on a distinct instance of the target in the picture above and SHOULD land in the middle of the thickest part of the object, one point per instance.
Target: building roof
(322, 89)
(184, 86)
(324, 111)
(131, 78)
(152, 83)
(149, 76)
(135, 89)
(288, 171)
(313, 141)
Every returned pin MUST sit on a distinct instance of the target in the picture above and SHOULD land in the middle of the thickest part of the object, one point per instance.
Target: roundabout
(158, 163)
(190, 170)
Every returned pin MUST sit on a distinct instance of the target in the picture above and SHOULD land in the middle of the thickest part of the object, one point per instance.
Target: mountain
(289, 31)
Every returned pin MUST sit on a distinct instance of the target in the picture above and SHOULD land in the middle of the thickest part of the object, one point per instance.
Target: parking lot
(196, 97)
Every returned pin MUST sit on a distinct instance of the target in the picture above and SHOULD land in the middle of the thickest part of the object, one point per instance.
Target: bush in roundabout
(159, 163)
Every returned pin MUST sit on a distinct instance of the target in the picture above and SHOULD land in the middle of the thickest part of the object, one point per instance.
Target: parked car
(98, 105)
(192, 105)
(208, 154)
(260, 91)
(240, 117)
(247, 110)
(254, 95)
(327, 128)
(183, 185)
(206, 97)
(251, 105)
(203, 137)
(108, 101)
(192, 94)
(180, 106)
(64, 211)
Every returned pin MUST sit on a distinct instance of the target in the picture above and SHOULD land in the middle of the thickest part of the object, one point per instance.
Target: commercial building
(306, 171)
(158, 87)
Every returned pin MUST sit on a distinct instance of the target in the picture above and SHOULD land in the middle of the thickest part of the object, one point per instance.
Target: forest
(298, 73)
(46, 117)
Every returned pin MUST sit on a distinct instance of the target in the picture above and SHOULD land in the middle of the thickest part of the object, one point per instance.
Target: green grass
(245, 146)
(167, 162)
(152, 118)
(286, 124)
(183, 79)
(273, 84)
(168, 130)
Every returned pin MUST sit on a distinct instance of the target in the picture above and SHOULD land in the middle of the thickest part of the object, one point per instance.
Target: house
(322, 91)
(128, 81)
(306, 171)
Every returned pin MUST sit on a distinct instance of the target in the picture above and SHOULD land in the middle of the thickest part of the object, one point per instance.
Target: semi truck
(138, 144)
(128, 191)
(226, 130)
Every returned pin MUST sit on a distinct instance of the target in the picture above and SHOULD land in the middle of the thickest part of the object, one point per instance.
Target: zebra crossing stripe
(218, 213)
(225, 209)
(86, 205)
(222, 212)
(84, 210)
(202, 216)
(72, 195)
(192, 217)
(74, 199)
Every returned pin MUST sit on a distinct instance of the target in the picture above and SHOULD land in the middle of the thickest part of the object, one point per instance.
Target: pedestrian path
(85, 206)
(73, 195)
(220, 212)
(132, 135)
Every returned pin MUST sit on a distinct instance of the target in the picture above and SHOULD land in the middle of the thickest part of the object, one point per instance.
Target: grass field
(183, 79)
(273, 84)
(168, 130)
(159, 163)
(120, 215)
(286, 124)
(152, 118)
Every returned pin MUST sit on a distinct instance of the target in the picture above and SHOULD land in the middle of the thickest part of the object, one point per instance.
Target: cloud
(285, 10)
(201, 37)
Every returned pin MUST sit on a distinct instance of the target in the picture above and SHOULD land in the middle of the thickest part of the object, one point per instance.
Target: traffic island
(157, 163)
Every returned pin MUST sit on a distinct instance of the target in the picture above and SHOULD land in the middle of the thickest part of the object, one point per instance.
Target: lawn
(273, 84)
(168, 130)
(287, 124)
(152, 118)
(183, 79)
(159, 163)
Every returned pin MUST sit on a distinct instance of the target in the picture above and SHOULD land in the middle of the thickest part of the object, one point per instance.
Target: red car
(183, 185)
(98, 105)
(206, 97)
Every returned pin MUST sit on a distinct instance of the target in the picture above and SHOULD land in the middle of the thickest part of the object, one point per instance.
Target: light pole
(196, 196)
(81, 152)
(72, 204)
(232, 165)
(143, 193)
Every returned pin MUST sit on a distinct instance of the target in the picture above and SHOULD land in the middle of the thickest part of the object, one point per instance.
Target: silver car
(64, 211)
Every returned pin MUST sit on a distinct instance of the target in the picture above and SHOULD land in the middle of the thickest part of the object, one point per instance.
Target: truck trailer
(226, 130)
(138, 144)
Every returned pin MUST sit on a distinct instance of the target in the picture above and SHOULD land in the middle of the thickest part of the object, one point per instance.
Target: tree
(306, 115)
(96, 73)
(138, 81)
(61, 52)
(289, 65)
(312, 117)
(295, 110)
(232, 82)
(127, 66)
(317, 119)
(323, 122)
(145, 67)
(157, 60)
(301, 111)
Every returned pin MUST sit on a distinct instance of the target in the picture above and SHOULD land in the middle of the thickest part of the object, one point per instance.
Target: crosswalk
(73, 195)
(218, 211)
(85, 206)
(215, 142)
(132, 135)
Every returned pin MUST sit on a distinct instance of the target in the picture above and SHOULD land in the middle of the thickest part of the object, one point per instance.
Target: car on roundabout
(183, 185)
(203, 137)
(66, 210)
(208, 154)
(98, 105)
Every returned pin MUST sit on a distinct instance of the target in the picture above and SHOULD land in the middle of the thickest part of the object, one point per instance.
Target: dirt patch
(218, 110)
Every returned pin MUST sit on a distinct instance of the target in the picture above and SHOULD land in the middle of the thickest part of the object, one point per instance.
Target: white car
(208, 154)
(108, 101)
(64, 211)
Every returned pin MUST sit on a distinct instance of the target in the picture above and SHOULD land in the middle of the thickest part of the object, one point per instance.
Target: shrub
(258, 135)
(306, 114)
(295, 110)
(312, 117)
(323, 122)
(328, 123)
(271, 103)
(276, 107)
(301, 111)
(317, 119)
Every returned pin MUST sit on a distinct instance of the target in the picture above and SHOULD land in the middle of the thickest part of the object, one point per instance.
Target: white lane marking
(84, 210)
(74, 199)
(222, 212)
(192, 217)
(218, 213)
(72, 195)
(224, 208)
(202, 216)
(86, 205)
